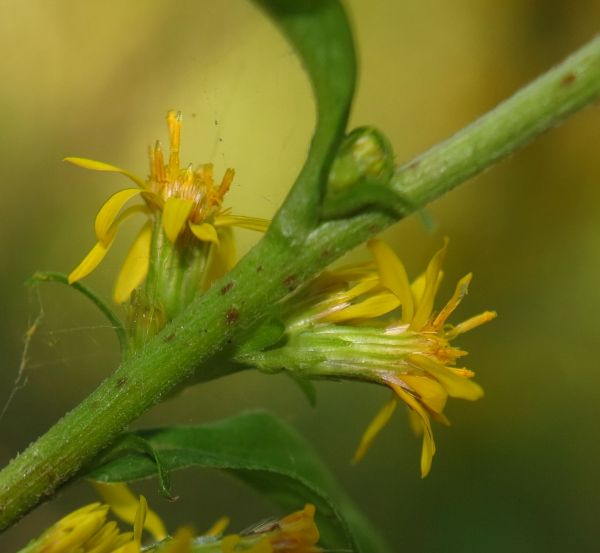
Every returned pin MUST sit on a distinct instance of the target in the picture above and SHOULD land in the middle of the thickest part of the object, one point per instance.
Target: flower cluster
(367, 322)
(86, 530)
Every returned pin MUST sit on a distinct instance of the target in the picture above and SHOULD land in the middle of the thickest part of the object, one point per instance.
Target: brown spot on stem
(568, 79)
(226, 288)
(325, 253)
(414, 164)
(259, 269)
(170, 337)
(121, 382)
(232, 316)
(290, 282)
(374, 229)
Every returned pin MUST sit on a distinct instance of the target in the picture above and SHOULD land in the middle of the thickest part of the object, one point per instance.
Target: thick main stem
(269, 272)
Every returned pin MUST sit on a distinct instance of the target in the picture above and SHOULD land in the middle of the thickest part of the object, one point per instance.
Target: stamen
(188, 177)
(226, 182)
(174, 124)
(471, 323)
(159, 163)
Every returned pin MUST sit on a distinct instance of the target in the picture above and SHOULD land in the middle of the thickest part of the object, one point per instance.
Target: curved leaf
(320, 33)
(266, 454)
(50, 276)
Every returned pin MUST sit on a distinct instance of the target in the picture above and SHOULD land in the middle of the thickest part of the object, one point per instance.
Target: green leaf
(266, 454)
(306, 386)
(49, 276)
(320, 33)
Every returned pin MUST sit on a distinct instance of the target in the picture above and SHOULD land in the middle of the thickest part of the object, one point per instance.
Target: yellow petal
(175, 214)
(106, 540)
(222, 257)
(415, 423)
(462, 287)
(263, 546)
(428, 448)
(251, 223)
(432, 275)
(417, 287)
(131, 547)
(110, 210)
(372, 307)
(135, 267)
(455, 384)
(105, 167)
(140, 519)
(125, 505)
(380, 420)
(228, 543)
(97, 253)
(181, 543)
(218, 527)
(430, 391)
(393, 276)
(74, 530)
(351, 273)
(366, 285)
(205, 232)
(91, 260)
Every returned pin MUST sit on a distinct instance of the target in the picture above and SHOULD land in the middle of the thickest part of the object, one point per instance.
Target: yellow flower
(188, 203)
(87, 531)
(424, 376)
(367, 322)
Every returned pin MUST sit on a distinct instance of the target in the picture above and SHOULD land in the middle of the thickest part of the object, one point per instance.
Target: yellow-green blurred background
(517, 471)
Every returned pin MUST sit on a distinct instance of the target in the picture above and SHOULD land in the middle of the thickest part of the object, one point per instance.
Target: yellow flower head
(187, 201)
(368, 322)
(87, 531)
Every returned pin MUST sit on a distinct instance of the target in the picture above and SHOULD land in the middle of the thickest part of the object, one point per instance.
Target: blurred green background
(517, 471)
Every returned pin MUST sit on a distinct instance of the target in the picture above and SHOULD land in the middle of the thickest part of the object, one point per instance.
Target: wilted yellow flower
(187, 202)
(295, 533)
(367, 322)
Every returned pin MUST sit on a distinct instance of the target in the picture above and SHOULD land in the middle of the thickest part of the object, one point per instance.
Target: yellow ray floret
(127, 507)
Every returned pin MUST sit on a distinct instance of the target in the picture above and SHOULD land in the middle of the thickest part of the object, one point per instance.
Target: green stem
(275, 267)
(541, 105)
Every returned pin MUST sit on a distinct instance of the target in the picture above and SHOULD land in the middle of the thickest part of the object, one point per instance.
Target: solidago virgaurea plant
(195, 313)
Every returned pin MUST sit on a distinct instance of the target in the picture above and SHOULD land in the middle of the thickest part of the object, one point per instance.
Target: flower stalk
(244, 296)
